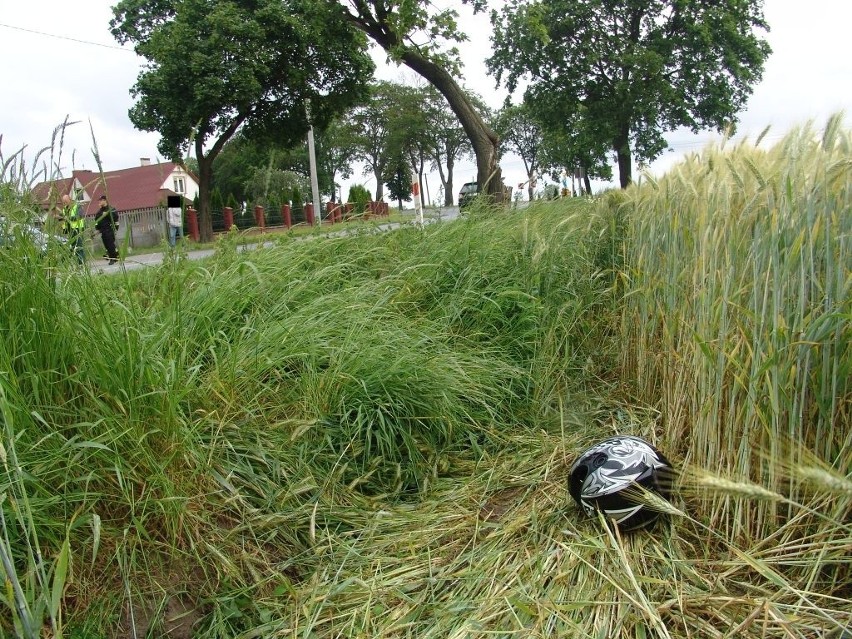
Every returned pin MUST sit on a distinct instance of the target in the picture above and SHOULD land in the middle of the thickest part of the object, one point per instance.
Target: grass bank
(369, 436)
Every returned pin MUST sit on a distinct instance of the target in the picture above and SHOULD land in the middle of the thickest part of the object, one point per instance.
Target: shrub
(360, 197)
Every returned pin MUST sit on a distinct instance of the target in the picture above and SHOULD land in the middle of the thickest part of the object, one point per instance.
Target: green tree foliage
(272, 211)
(297, 208)
(570, 150)
(409, 123)
(248, 168)
(267, 184)
(241, 161)
(191, 165)
(336, 149)
(216, 67)
(624, 72)
(371, 124)
(217, 205)
(548, 147)
(574, 145)
(233, 166)
(231, 202)
(217, 202)
(398, 179)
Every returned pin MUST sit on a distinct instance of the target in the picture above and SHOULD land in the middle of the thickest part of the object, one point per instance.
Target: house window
(179, 186)
(80, 195)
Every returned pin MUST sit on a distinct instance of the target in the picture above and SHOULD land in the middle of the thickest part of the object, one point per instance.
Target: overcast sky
(60, 60)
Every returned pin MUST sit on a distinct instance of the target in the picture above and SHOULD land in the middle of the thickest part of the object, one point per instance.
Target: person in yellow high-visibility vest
(74, 224)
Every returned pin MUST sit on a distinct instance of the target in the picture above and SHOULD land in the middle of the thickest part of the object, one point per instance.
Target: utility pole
(313, 163)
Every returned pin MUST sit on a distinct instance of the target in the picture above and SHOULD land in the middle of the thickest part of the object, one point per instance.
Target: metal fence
(146, 227)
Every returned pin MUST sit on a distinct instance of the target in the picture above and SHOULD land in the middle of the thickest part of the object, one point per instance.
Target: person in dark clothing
(106, 222)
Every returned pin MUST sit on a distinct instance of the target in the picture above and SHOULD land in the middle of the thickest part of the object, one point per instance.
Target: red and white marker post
(418, 203)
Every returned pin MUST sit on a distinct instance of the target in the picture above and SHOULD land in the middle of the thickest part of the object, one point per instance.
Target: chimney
(144, 161)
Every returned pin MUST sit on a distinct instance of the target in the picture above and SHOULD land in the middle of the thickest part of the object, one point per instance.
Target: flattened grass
(370, 436)
(199, 414)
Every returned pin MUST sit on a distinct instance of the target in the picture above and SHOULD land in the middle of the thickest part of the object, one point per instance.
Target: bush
(360, 197)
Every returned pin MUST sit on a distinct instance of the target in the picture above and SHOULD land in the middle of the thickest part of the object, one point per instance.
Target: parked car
(12, 232)
(468, 193)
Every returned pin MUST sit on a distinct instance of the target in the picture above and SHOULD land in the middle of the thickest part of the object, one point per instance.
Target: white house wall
(79, 187)
(190, 185)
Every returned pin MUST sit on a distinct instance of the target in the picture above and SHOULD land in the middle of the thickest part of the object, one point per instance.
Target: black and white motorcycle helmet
(603, 478)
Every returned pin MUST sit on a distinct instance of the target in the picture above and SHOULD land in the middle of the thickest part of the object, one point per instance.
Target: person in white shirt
(174, 218)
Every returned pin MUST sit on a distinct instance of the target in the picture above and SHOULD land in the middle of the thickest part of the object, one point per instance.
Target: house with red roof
(139, 195)
(141, 187)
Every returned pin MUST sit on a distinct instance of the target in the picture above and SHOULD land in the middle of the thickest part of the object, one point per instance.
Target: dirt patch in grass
(500, 502)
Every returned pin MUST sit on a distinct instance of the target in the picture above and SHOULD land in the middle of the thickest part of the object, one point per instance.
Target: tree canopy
(371, 122)
(546, 143)
(414, 34)
(626, 71)
(236, 166)
(336, 151)
(447, 141)
(216, 67)
(409, 123)
(522, 134)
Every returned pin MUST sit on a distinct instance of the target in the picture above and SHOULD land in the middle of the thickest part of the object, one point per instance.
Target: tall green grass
(370, 436)
(164, 410)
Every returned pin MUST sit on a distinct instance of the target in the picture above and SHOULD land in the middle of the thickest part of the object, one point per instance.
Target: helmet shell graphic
(602, 476)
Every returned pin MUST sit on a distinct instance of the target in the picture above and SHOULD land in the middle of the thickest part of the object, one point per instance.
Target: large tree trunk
(205, 175)
(380, 186)
(621, 146)
(484, 141)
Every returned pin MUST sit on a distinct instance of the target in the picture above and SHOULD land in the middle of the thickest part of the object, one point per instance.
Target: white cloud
(61, 61)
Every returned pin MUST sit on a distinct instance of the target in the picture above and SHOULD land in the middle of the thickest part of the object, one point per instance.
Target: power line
(59, 37)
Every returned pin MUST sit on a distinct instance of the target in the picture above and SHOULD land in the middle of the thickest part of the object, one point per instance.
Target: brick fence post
(228, 214)
(192, 223)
